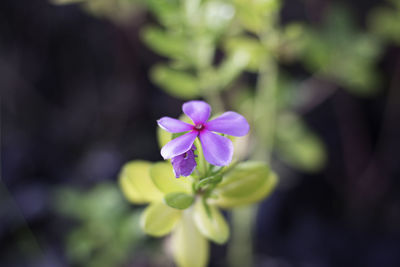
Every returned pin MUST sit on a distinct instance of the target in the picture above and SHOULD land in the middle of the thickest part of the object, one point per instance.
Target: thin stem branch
(265, 111)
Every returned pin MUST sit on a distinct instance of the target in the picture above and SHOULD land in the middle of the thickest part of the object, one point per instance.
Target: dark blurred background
(77, 103)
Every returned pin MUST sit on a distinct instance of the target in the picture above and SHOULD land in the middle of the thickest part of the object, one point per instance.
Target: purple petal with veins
(185, 163)
(178, 145)
(173, 125)
(230, 123)
(218, 150)
(197, 111)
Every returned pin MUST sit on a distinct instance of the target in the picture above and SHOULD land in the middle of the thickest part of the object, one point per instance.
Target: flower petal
(178, 145)
(173, 125)
(218, 150)
(230, 123)
(185, 163)
(198, 111)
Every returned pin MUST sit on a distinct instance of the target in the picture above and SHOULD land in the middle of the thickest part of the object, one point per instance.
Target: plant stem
(240, 250)
(264, 121)
(201, 160)
(265, 111)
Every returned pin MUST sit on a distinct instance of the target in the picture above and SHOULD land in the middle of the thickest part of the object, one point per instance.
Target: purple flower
(218, 150)
(185, 163)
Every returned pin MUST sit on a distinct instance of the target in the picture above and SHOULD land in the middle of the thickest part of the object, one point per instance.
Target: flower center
(199, 127)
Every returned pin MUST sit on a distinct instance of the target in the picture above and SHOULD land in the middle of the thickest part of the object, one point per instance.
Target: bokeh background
(77, 103)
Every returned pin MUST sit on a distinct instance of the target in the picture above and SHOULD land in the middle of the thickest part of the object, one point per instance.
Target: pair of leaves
(247, 183)
(143, 182)
(159, 219)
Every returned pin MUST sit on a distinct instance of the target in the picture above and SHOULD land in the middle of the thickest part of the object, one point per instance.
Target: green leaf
(177, 83)
(258, 15)
(249, 182)
(164, 43)
(158, 219)
(167, 12)
(231, 68)
(213, 226)
(251, 46)
(190, 247)
(297, 145)
(385, 23)
(246, 178)
(136, 184)
(163, 178)
(292, 41)
(178, 200)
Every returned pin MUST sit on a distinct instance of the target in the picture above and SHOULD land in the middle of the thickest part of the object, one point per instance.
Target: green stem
(264, 120)
(265, 111)
(240, 250)
(202, 163)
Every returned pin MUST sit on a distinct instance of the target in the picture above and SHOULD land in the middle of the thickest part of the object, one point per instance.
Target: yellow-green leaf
(158, 219)
(136, 184)
(164, 179)
(190, 247)
(179, 201)
(212, 225)
(249, 182)
(263, 192)
(245, 179)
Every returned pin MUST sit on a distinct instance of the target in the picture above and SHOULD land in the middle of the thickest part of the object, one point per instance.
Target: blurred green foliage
(343, 53)
(106, 229)
(384, 21)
